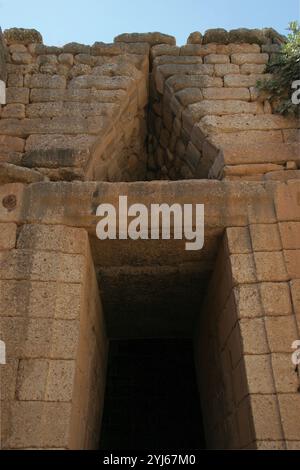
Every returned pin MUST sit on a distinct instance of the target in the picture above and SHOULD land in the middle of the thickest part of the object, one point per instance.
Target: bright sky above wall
(62, 21)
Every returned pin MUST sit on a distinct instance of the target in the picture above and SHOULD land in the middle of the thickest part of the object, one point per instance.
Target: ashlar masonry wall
(248, 385)
(51, 320)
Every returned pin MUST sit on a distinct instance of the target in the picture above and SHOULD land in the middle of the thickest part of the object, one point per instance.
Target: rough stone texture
(144, 109)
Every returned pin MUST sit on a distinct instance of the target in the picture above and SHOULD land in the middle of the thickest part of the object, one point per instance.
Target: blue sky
(62, 21)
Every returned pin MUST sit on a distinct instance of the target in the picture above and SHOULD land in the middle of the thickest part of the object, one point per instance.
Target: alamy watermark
(296, 94)
(296, 354)
(161, 222)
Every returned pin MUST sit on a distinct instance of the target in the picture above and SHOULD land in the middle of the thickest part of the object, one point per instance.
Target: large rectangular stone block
(56, 238)
(45, 81)
(247, 81)
(8, 235)
(40, 299)
(226, 94)
(23, 425)
(246, 122)
(41, 266)
(249, 58)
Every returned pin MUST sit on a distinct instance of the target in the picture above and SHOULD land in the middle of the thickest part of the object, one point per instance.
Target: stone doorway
(151, 399)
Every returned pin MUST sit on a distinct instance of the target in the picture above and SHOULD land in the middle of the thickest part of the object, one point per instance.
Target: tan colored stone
(290, 234)
(32, 379)
(216, 59)
(240, 80)
(8, 143)
(13, 111)
(226, 94)
(275, 298)
(243, 269)
(265, 237)
(15, 80)
(253, 68)
(60, 381)
(17, 95)
(21, 58)
(222, 107)
(260, 152)
(241, 59)
(253, 336)
(24, 425)
(238, 240)
(45, 81)
(270, 266)
(38, 266)
(247, 300)
(292, 261)
(259, 373)
(8, 234)
(8, 380)
(285, 376)
(244, 48)
(281, 332)
(236, 123)
(289, 405)
(295, 291)
(287, 201)
(250, 170)
(225, 69)
(266, 417)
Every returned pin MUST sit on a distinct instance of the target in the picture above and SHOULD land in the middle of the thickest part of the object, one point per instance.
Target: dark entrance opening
(151, 399)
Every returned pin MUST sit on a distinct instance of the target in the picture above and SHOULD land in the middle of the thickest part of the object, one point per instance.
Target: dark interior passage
(151, 398)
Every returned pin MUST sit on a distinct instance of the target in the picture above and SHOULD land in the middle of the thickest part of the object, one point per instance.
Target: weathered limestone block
(56, 109)
(249, 36)
(45, 95)
(42, 266)
(86, 59)
(76, 48)
(102, 49)
(17, 95)
(45, 81)
(120, 69)
(198, 49)
(78, 70)
(8, 143)
(189, 95)
(216, 59)
(225, 69)
(178, 82)
(241, 59)
(253, 68)
(8, 236)
(21, 58)
(195, 38)
(13, 111)
(226, 94)
(138, 48)
(59, 141)
(220, 107)
(244, 49)
(11, 173)
(15, 80)
(184, 60)
(235, 123)
(245, 80)
(23, 69)
(102, 83)
(46, 59)
(41, 49)
(246, 138)
(151, 38)
(66, 59)
(165, 71)
(75, 125)
(251, 169)
(261, 153)
(22, 36)
(54, 158)
(217, 35)
(164, 49)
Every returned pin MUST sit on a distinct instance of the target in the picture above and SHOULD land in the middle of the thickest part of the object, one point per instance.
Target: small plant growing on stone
(285, 67)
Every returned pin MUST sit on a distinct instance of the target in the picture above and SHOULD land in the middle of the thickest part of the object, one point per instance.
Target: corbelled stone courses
(73, 99)
(203, 94)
